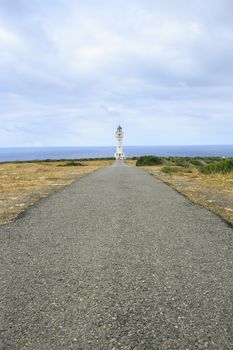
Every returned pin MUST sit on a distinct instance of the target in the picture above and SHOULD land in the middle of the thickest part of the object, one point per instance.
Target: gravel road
(117, 260)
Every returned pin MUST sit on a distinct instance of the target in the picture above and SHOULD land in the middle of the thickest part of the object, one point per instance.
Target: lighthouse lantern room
(119, 147)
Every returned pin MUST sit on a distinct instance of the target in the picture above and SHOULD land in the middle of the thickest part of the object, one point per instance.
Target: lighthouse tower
(119, 147)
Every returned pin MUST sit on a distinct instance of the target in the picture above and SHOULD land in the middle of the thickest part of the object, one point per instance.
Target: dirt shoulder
(212, 191)
(22, 184)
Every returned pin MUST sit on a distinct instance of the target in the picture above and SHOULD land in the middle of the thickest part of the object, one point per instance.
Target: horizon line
(165, 145)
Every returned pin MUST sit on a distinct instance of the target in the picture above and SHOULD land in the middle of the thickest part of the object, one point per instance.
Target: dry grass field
(22, 184)
(213, 191)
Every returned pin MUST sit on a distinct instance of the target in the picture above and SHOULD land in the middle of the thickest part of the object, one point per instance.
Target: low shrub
(224, 166)
(72, 164)
(183, 162)
(169, 169)
(149, 160)
(198, 162)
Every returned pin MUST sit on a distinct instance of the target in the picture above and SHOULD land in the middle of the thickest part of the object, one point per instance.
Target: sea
(42, 153)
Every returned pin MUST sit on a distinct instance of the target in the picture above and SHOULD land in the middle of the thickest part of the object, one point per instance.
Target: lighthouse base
(119, 156)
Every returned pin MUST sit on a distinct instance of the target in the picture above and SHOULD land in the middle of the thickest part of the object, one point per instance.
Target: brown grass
(212, 191)
(22, 184)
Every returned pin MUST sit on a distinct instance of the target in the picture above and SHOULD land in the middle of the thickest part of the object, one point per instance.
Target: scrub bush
(224, 166)
(149, 160)
(169, 169)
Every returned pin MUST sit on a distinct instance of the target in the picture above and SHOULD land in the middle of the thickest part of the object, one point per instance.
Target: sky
(71, 71)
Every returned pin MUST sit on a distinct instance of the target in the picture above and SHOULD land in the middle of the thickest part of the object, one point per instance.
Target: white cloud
(8, 39)
(10, 44)
(81, 67)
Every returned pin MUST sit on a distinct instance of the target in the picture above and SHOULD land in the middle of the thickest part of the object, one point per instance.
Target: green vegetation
(182, 162)
(72, 163)
(149, 160)
(224, 166)
(56, 160)
(169, 169)
(198, 162)
(205, 165)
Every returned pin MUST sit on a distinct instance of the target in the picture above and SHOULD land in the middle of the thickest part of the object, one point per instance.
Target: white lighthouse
(119, 147)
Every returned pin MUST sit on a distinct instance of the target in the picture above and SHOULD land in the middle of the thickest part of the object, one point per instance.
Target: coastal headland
(24, 183)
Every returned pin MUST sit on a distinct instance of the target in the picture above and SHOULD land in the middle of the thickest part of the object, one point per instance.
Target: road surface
(117, 260)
